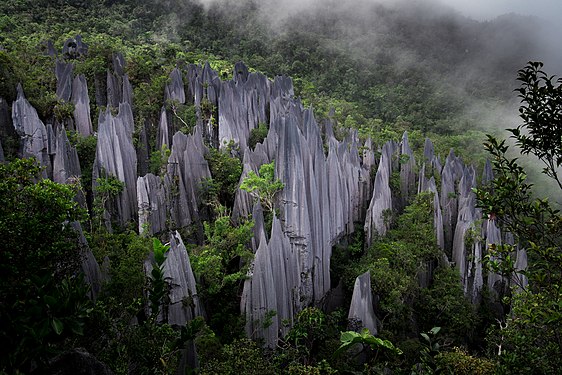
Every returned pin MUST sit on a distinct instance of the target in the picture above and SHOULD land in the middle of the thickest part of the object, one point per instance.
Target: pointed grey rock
(449, 201)
(407, 170)
(187, 168)
(127, 96)
(259, 225)
(381, 201)
(174, 90)
(30, 129)
(81, 102)
(116, 156)
(51, 140)
(90, 267)
(142, 148)
(64, 75)
(488, 173)
(361, 307)
(114, 84)
(163, 131)
(437, 215)
(66, 166)
(184, 300)
(152, 205)
(259, 298)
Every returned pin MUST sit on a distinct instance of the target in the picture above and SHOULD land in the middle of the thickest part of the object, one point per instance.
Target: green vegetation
(530, 338)
(376, 90)
(263, 186)
(44, 301)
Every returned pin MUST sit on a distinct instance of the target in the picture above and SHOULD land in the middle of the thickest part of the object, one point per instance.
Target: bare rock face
(174, 90)
(242, 106)
(116, 156)
(361, 309)
(204, 87)
(81, 102)
(163, 131)
(184, 300)
(381, 201)
(66, 165)
(187, 168)
(407, 170)
(259, 299)
(272, 286)
(119, 89)
(152, 204)
(467, 249)
(31, 130)
(437, 215)
(90, 267)
(449, 199)
(243, 201)
(64, 75)
(322, 197)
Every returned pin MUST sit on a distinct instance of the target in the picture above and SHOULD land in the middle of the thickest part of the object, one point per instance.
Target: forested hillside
(237, 187)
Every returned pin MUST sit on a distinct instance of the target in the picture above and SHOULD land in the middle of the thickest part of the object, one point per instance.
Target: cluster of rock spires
(327, 191)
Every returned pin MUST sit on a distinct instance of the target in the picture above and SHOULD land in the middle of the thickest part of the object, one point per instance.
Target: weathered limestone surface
(90, 267)
(242, 106)
(64, 76)
(152, 204)
(381, 200)
(186, 169)
(273, 285)
(243, 201)
(163, 131)
(449, 200)
(116, 156)
(468, 258)
(407, 170)
(81, 102)
(361, 307)
(174, 90)
(437, 215)
(142, 148)
(119, 89)
(184, 300)
(204, 87)
(259, 296)
(66, 165)
(30, 129)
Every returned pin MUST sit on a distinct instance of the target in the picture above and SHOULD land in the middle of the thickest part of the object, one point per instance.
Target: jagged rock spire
(31, 130)
(361, 307)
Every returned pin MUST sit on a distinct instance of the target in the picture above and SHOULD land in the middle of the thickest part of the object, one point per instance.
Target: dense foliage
(378, 69)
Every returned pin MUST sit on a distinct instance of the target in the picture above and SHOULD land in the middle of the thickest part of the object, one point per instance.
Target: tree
(43, 295)
(263, 186)
(531, 337)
